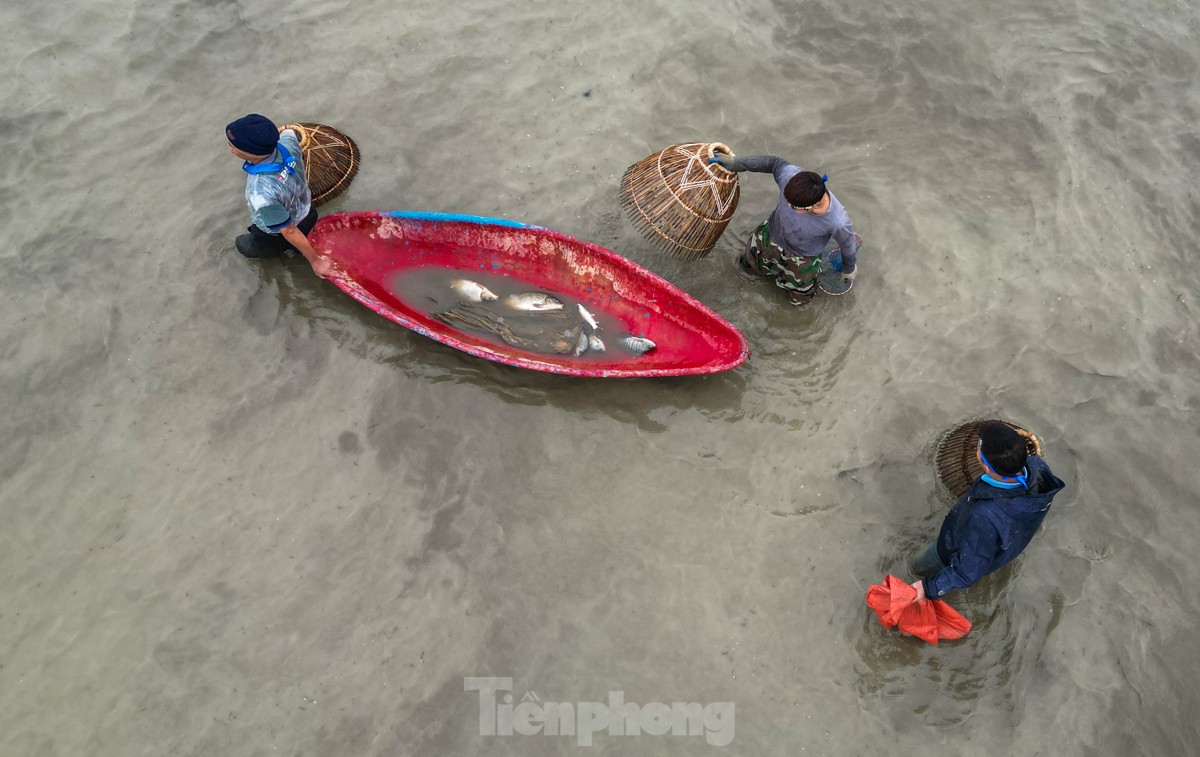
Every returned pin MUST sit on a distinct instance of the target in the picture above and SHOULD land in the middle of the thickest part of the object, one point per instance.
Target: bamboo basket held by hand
(679, 200)
(330, 159)
(957, 465)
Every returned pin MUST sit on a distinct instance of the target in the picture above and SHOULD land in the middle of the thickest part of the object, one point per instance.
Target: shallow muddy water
(244, 515)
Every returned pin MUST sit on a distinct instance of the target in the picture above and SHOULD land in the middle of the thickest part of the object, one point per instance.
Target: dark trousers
(928, 563)
(260, 244)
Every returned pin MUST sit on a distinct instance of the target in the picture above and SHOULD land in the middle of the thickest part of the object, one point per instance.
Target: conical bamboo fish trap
(330, 159)
(680, 201)
(957, 465)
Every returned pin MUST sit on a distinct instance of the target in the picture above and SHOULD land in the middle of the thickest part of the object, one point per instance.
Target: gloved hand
(848, 276)
(722, 159)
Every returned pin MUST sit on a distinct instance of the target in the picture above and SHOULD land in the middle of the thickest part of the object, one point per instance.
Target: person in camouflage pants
(807, 217)
(795, 274)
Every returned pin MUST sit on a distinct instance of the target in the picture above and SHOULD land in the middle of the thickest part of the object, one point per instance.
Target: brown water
(243, 515)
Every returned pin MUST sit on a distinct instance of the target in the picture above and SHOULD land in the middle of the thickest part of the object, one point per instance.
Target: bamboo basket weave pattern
(330, 159)
(680, 201)
(957, 465)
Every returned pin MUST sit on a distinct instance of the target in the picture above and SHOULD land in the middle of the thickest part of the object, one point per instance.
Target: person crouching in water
(994, 521)
(277, 192)
(788, 245)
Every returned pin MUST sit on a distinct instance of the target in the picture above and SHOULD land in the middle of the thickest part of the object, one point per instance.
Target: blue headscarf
(1022, 477)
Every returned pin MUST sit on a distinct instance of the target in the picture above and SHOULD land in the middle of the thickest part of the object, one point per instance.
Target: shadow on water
(288, 288)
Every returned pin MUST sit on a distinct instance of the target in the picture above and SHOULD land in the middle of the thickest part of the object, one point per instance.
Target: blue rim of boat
(418, 215)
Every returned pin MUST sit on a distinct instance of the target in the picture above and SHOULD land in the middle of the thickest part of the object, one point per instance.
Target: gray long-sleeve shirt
(803, 233)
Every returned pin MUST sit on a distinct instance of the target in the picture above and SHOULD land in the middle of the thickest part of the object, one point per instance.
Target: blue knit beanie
(253, 134)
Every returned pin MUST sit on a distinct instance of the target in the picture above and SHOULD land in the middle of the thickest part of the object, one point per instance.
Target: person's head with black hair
(1003, 448)
(805, 190)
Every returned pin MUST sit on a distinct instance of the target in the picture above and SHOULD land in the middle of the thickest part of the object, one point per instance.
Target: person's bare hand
(919, 585)
(323, 266)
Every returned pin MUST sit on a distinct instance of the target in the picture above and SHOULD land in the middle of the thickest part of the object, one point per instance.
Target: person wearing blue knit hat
(277, 193)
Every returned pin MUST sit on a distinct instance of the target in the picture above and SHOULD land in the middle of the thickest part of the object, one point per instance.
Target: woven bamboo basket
(957, 465)
(680, 201)
(330, 159)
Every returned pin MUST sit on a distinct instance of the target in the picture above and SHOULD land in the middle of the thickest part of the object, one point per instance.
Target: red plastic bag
(929, 619)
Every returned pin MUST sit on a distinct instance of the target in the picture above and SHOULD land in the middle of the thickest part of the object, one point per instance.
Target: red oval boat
(401, 265)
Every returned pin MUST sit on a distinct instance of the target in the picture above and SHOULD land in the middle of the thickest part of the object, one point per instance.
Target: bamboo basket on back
(680, 201)
(957, 465)
(330, 159)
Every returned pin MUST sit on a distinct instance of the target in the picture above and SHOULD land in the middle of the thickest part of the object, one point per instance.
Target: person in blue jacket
(994, 521)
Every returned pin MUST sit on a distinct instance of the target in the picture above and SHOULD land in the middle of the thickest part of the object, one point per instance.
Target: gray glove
(724, 160)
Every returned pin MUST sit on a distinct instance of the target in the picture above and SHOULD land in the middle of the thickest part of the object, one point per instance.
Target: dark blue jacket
(989, 527)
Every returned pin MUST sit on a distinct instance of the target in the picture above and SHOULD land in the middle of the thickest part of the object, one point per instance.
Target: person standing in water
(277, 192)
(994, 521)
(787, 246)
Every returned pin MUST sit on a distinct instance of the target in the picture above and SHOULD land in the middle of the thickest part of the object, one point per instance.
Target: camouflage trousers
(795, 274)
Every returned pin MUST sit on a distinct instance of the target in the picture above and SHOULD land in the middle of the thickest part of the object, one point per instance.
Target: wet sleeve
(848, 242)
(761, 164)
(271, 218)
(978, 548)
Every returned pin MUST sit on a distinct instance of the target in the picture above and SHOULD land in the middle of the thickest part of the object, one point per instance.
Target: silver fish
(594, 344)
(581, 345)
(591, 320)
(470, 291)
(638, 345)
(533, 301)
